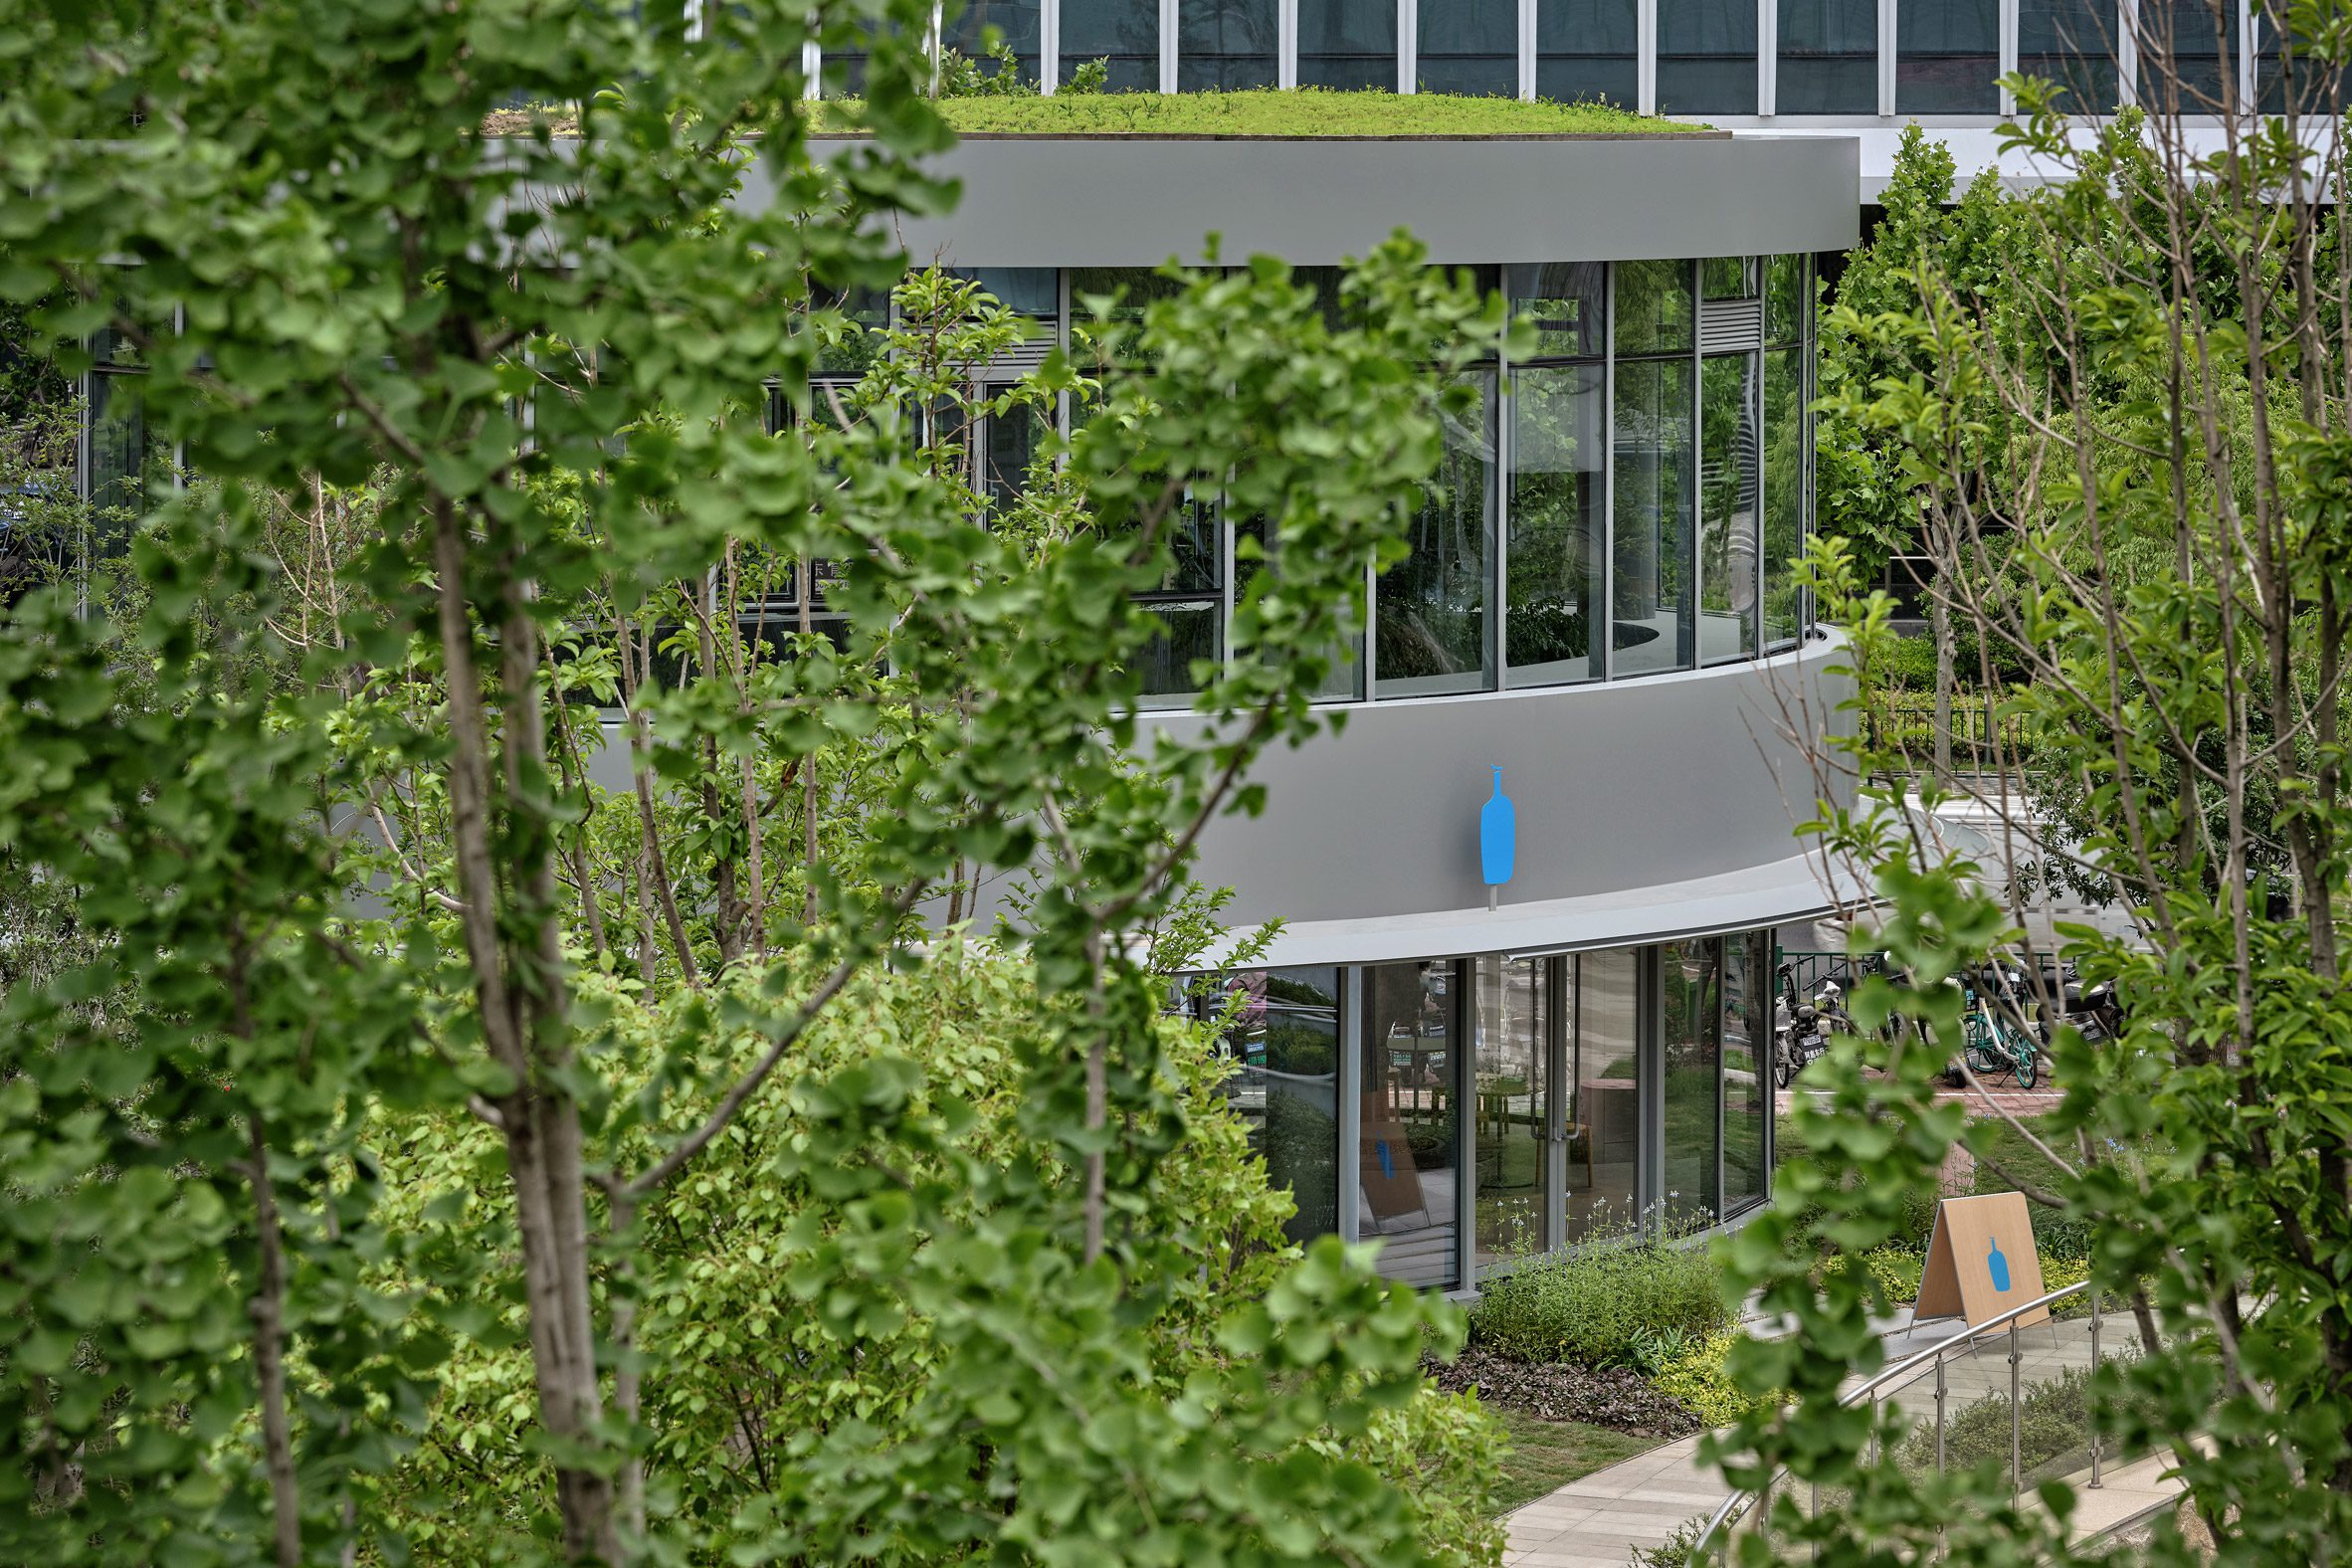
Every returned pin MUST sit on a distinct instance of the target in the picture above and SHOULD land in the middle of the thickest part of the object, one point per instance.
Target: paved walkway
(1597, 1521)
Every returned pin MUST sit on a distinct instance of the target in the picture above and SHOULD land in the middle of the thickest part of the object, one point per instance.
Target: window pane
(1785, 443)
(966, 32)
(1947, 57)
(2317, 88)
(1747, 1092)
(125, 467)
(1344, 678)
(1585, 51)
(1011, 441)
(1727, 507)
(1566, 302)
(1650, 620)
(1225, 44)
(1431, 628)
(1110, 293)
(1410, 1131)
(1284, 1032)
(2185, 40)
(1190, 606)
(1653, 309)
(1034, 291)
(1787, 301)
(1514, 1107)
(1469, 46)
(1605, 1100)
(1692, 975)
(1553, 572)
(1707, 57)
(1347, 44)
(1828, 58)
(1125, 33)
(2072, 44)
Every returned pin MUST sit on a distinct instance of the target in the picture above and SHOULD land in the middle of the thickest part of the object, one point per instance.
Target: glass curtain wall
(1747, 1081)
(1514, 1100)
(1409, 1165)
(1727, 499)
(1225, 44)
(1828, 60)
(1604, 1146)
(1691, 985)
(2070, 43)
(1432, 631)
(1947, 57)
(1282, 1028)
(1586, 51)
(1347, 44)
(1788, 446)
(1707, 57)
(2188, 57)
(1123, 34)
(1558, 453)
(1652, 625)
(1469, 46)
(966, 29)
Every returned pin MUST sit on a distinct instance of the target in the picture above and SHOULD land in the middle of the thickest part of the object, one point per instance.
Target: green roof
(1298, 111)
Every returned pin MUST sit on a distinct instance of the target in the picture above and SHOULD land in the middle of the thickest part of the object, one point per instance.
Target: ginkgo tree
(331, 837)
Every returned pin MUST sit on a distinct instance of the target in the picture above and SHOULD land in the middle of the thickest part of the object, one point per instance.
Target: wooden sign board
(1981, 1260)
(1391, 1184)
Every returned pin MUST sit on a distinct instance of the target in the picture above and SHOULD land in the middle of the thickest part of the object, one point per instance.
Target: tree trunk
(1946, 656)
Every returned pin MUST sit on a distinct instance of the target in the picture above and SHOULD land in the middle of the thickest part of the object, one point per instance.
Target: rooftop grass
(1300, 111)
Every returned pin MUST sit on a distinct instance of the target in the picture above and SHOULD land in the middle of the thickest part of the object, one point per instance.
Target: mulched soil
(1618, 1399)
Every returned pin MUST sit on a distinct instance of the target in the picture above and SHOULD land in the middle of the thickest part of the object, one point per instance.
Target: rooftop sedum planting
(1296, 112)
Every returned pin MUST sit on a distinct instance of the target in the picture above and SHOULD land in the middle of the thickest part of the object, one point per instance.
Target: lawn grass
(1298, 111)
(1549, 1453)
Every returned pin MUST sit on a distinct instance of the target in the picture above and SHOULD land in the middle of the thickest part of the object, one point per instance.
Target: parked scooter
(2092, 1009)
(1801, 1028)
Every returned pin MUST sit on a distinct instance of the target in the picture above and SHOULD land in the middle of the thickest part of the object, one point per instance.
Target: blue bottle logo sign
(1997, 1265)
(1388, 1161)
(1498, 836)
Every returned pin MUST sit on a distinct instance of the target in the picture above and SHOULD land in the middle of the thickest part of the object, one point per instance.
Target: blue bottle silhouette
(1996, 1262)
(1498, 836)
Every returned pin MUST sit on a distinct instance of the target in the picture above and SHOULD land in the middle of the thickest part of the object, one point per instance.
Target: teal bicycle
(1995, 1044)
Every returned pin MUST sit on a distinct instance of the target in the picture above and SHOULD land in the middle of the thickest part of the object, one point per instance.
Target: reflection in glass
(1566, 302)
(1283, 1029)
(126, 465)
(1189, 605)
(1947, 57)
(2070, 43)
(1033, 292)
(1654, 307)
(1727, 507)
(966, 29)
(1828, 58)
(1410, 1131)
(1347, 44)
(1707, 57)
(1011, 441)
(2280, 56)
(1692, 976)
(1432, 625)
(1513, 1105)
(1117, 295)
(1651, 623)
(1343, 678)
(859, 345)
(1747, 1091)
(1123, 33)
(1225, 44)
(2188, 57)
(1604, 1100)
(1787, 299)
(1585, 51)
(1469, 46)
(1559, 441)
(1784, 444)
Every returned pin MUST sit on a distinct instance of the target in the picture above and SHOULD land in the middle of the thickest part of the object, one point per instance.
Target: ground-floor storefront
(1468, 1113)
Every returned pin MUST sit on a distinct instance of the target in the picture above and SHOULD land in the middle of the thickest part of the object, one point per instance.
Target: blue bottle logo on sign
(1997, 1265)
(1498, 836)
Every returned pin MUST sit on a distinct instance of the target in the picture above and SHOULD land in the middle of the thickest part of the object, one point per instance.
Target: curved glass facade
(1725, 58)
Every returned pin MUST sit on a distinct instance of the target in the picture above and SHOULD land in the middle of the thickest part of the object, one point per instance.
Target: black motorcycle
(1801, 1028)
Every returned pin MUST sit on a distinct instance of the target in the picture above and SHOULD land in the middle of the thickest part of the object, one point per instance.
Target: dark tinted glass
(1034, 291)
(1947, 57)
(1469, 46)
(1282, 1027)
(1707, 57)
(2070, 43)
(1828, 58)
(1225, 44)
(2188, 55)
(1124, 33)
(1585, 51)
(965, 29)
(1347, 44)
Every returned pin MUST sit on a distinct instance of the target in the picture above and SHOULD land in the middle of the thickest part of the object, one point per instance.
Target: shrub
(1598, 1302)
(1672, 1552)
(1696, 1380)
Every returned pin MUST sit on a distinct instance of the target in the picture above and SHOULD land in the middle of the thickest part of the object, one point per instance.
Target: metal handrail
(1720, 1522)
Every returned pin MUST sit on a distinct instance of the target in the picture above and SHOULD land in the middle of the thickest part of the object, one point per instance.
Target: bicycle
(1993, 1043)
